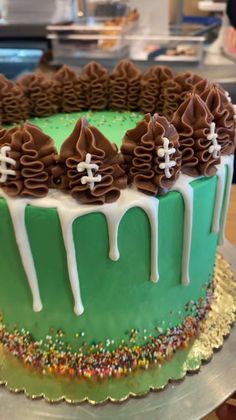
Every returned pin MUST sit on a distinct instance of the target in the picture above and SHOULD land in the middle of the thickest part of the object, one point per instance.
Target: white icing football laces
(89, 167)
(165, 152)
(215, 148)
(4, 159)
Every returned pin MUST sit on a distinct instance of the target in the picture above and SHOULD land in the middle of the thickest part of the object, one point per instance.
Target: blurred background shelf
(57, 32)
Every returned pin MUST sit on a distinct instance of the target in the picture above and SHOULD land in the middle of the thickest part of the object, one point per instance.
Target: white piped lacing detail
(89, 167)
(215, 148)
(4, 159)
(165, 152)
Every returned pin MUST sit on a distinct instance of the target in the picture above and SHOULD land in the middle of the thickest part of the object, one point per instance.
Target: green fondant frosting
(117, 296)
(112, 124)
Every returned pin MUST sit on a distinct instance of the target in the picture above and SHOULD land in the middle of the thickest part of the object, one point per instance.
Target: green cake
(109, 250)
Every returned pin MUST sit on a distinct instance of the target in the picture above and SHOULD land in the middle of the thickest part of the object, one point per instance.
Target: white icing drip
(4, 159)
(222, 189)
(17, 212)
(219, 198)
(215, 148)
(89, 167)
(152, 212)
(69, 210)
(113, 221)
(165, 152)
(229, 161)
(131, 198)
(184, 187)
(66, 220)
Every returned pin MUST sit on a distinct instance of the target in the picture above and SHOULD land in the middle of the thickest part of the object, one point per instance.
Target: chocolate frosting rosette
(92, 166)
(190, 81)
(224, 117)
(175, 90)
(40, 92)
(197, 137)
(125, 87)
(151, 154)
(28, 154)
(151, 88)
(13, 103)
(95, 86)
(68, 92)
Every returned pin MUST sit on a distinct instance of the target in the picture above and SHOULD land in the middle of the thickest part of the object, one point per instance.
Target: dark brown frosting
(33, 152)
(151, 88)
(174, 91)
(84, 140)
(59, 178)
(140, 149)
(125, 87)
(40, 93)
(95, 86)
(190, 81)
(68, 91)
(13, 103)
(171, 92)
(192, 120)
(223, 113)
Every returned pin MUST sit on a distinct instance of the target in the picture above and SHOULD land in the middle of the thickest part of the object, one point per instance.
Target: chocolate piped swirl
(175, 91)
(95, 86)
(144, 155)
(223, 113)
(193, 121)
(190, 81)
(33, 153)
(87, 144)
(151, 88)
(40, 92)
(125, 87)
(69, 95)
(13, 103)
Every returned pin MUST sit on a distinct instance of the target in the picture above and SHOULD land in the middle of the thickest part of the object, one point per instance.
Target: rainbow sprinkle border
(99, 362)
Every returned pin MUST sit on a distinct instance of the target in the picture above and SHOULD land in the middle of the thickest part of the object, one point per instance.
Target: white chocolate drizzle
(183, 186)
(17, 211)
(224, 181)
(69, 210)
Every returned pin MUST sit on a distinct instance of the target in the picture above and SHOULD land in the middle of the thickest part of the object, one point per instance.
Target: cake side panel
(117, 296)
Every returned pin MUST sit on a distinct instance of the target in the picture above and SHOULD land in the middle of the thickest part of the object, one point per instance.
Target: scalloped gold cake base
(17, 378)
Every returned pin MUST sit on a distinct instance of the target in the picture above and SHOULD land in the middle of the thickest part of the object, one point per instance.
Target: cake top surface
(113, 124)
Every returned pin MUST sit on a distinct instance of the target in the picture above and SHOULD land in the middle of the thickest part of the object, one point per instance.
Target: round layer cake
(108, 255)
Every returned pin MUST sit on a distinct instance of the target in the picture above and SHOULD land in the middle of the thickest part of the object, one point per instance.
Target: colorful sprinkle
(53, 356)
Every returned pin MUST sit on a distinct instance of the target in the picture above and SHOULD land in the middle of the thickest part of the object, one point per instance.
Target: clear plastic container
(96, 40)
(95, 36)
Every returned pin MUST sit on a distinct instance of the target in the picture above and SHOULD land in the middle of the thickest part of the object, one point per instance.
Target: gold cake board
(218, 325)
